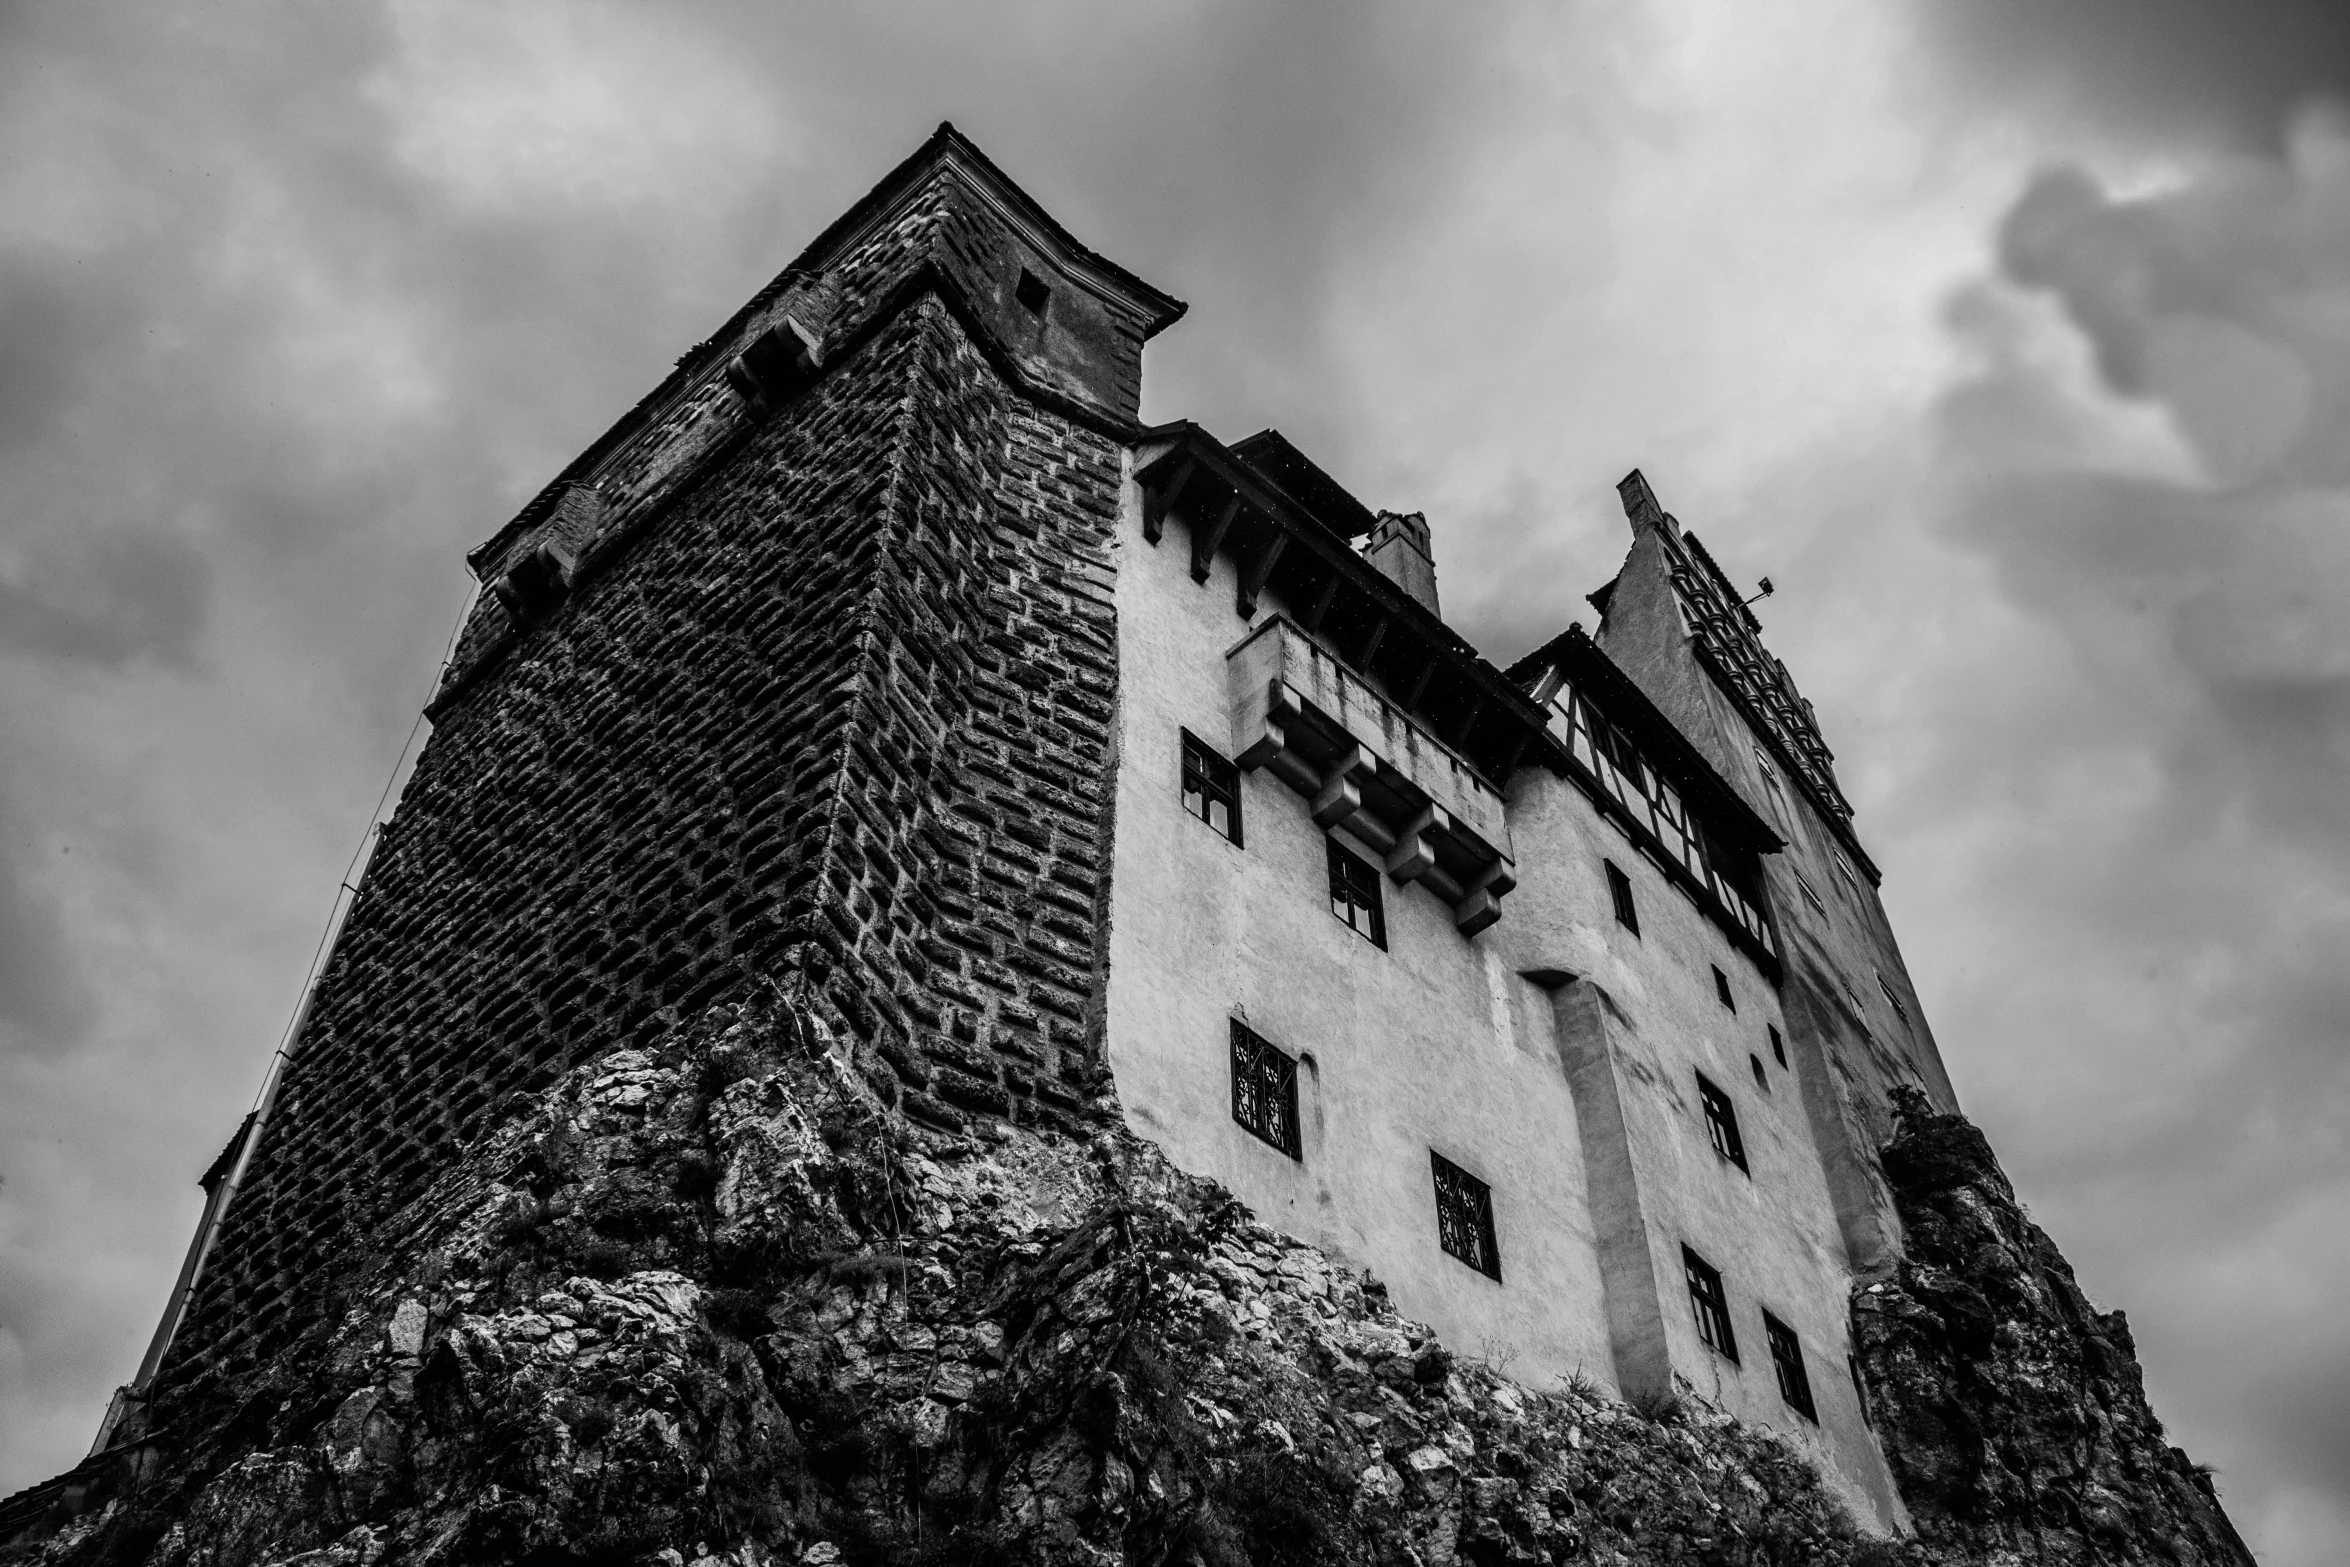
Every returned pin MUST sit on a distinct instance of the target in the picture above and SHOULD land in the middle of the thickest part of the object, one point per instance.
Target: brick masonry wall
(841, 720)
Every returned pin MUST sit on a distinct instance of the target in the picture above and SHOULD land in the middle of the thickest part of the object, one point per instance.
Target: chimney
(1641, 508)
(1398, 546)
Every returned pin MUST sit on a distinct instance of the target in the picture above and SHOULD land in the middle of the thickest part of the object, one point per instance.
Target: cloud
(2146, 777)
(2186, 68)
(121, 598)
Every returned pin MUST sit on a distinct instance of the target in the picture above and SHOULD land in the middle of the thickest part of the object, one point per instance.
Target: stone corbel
(1414, 854)
(1480, 902)
(1340, 796)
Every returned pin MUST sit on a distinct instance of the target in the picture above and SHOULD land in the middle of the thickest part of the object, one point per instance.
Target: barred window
(1211, 787)
(1354, 895)
(1464, 1216)
(1264, 1090)
(1710, 1304)
(1778, 1045)
(1721, 1122)
(1722, 990)
(1787, 1360)
(1619, 891)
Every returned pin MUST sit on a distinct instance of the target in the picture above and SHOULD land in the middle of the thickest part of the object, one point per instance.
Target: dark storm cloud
(2232, 68)
(2178, 748)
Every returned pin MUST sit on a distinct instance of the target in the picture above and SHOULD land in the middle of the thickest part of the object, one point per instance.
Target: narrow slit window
(1809, 896)
(1787, 1361)
(1464, 1216)
(1264, 1090)
(1762, 1079)
(1619, 891)
(1355, 897)
(1893, 1000)
(1860, 1390)
(1033, 293)
(1845, 870)
(1722, 990)
(1721, 1122)
(1770, 778)
(1211, 787)
(1778, 1045)
(1711, 1305)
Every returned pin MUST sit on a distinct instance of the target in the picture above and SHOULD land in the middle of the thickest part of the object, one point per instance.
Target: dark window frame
(1264, 1090)
(1721, 1122)
(1218, 781)
(1033, 293)
(1762, 1079)
(1354, 887)
(1810, 896)
(1892, 999)
(1722, 990)
(1464, 1217)
(1710, 1304)
(1778, 1043)
(1787, 1361)
(1619, 892)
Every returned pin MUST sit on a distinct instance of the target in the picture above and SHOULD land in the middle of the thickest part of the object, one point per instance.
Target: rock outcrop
(716, 1301)
(2012, 1411)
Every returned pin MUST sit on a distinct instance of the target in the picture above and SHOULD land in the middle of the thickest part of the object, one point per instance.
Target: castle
(1081, 769)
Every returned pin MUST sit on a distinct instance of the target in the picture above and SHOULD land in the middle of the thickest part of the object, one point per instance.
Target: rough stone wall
(2013, 1412)
(713, 1299)
(840, 719)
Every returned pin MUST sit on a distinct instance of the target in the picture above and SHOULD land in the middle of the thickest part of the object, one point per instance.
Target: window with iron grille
(1787, 1360)
(1710, 1304)
(1464, 1216)
(1264, 1090)
(1721, 1122)
(1619, 891)
(1722, 990)
(1899, 1010)
(1354, 895)
(1211, 787)
(1778, 1045)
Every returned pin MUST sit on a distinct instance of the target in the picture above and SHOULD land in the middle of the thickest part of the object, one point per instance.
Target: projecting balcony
(1365, 765)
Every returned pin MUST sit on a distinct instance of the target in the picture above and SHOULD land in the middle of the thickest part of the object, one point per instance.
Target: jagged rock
(716, 1303)
(2012, 1412)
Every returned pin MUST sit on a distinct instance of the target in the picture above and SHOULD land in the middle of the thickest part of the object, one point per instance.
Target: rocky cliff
(714, 1301)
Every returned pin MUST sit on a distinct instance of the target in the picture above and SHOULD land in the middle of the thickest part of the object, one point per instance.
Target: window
(1809, 896)
(1845, 870)
(1033, 292)
(1661, 820)
(1711, 1305)
(1722, 989)
(1770, 778)
(1264, 1090)
(1354, 895)
(1721, 1122)
(1778, 1045)
(1211, 787)
(1464, 1216)
(1899, 1010)
(1619, 890)
(1787, 1360)
(1860, 1390)
(1762, 1079)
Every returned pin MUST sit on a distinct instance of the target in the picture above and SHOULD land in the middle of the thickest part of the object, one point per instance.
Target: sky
(2012, 341)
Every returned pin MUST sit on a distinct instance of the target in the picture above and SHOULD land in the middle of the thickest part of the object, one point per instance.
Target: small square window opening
(1211, 787)
(1464, 1216)
(1355, 896)
(1033, 293)
(1264, 1090)
(1711, 1305)
(1778, 1045)
(1722, 990)
(1762, 1079)
(1619, 891)
(1721, 1122)
(1787, 1360)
